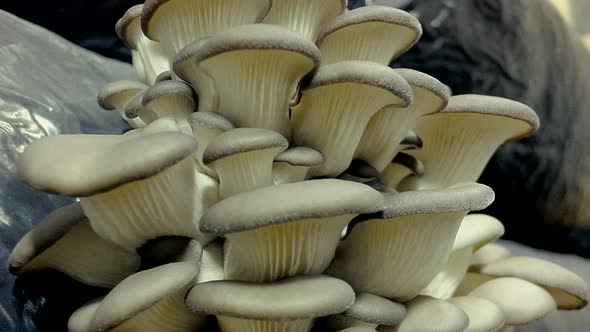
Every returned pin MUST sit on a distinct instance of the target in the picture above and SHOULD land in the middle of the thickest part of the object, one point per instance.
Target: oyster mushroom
(148, 57)
(81, 319)
(243, 158)
(297, 232)
(132, 188)
(65, 241)
(460, 140)
(415, 232)
(410, 141)
(368, 310)
(164, 76)
(372, 33)
(258, 60)
(402, 166)
(336, 106)
(173, 99)
(484, 315)
(293, 164)
(491, 252)
(116, 95)
(307, 17)
(135, 111)
(245, 306)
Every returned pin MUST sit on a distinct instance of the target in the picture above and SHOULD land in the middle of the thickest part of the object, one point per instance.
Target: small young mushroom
(132, 188)
(286, 305)
(257, 69)
(388, 127)
(81, 319)
(336, 106)
(491, 252)
(296, 233)
(65, 241)
(307, 17)
(206, 126)
(372, 33)
(429, 314)
(460, 140)
(135, 111)
(174, 99)
(402, 166)
(293, 164)
(368, 310)
(415, 232)
(148, 57)
(116, 95)
(177, 23)
(484, 315)
(243, 158)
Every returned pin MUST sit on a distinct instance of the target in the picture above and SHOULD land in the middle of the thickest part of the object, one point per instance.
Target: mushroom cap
(185, 54)
(568, 289)
(210, 120)
(363, 72)
(290, 202)
(140, 291)
(361, 169)
(483, 314)
(243, 140)
(489, 253)
(461, 197)
(134, 106)
(52, 228)
(164, 88)
(164, 76)
(412, 139)
(376, 310)
(426, 82)
(105, 95)
(84, 165)
(123, 23)
(255, 37)
(520, 301)
(301, 156)
(477, 230)
(287, 299)
(495, 106)
(81, 319)
(366, 14)
(410, 162)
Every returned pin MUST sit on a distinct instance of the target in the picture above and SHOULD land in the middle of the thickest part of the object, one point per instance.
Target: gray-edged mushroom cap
(308, 297)
(164, 76)
(376, 310)
(438, 93)
(133, 13)
(290, 202)
(210, 120)
(83, 165)
(242, 140)
(116, 94)
(168, 88)
(301, 156)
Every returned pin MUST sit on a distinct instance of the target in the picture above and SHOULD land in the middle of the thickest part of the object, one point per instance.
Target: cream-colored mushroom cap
(117, 94)
(375, 309)
(429, 314)
(308, 297)
(371, 33)
(433, 94)
(123, 24)
(301, 156)
(569, 291)
(491, 252)
(210, 120)
(82, 165)
(477, 230)
(170, 99)
(520, 301)
(484, 315)
(81, 319)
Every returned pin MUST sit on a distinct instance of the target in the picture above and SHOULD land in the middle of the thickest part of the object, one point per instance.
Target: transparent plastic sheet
(48, 86)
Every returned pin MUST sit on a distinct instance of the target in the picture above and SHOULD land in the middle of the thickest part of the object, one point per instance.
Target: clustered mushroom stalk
(281, 177)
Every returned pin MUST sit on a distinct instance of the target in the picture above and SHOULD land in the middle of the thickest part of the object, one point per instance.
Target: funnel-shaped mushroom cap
(478, 230)
(402, 166)
(292, 302)
(135, 111)
(470, 282)
(388, 127)
(373, 33)
(491, 252)
(368, 310)
(116, 95)
(337, 105)
(429, 314)
(81, 319)
(460, 140)
(177, 23)
(296, 232)
(150, 300)
(170, 99)
(293, 164)
(307, 17)
(148, 57)
(521, 302)
(243, 158)
(257, 68)
(65, 241)
(415, 232)
(568, 290)
(484, 315)
(206, 126)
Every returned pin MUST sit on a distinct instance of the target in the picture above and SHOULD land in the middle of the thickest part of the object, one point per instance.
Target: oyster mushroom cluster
(281, 177)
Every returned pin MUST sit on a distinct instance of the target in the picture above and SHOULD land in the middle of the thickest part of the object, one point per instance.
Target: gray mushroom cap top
(497, 106)
(301, 156)
(164, 76)
(106, 94)
(410, 162)
(185, 54)
(461, 197)
(257, 37)
(243, 140)
(426, 82)
(140, 291)
(412, 139)
(363, 72)
(210, 120)
(123, 23)
(287, 299)
(376, 310)
(52, 228)
(134, 106)
(166, 88)
(289, 202)
(84, 165)
(374, 14)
